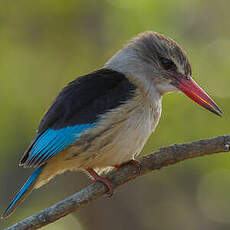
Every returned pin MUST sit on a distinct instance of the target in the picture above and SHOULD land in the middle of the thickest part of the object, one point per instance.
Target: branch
(161, 158)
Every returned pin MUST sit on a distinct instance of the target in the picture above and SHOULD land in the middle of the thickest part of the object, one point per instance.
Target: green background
(44, 44)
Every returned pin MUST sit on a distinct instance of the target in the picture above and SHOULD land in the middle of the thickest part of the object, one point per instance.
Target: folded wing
(76, 109)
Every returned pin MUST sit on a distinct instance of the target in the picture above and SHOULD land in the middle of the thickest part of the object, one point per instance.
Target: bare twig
(161, 158)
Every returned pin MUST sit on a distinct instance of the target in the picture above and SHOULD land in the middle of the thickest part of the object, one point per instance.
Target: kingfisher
(103, 119)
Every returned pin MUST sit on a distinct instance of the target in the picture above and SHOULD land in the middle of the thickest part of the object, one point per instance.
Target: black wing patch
(85, 98)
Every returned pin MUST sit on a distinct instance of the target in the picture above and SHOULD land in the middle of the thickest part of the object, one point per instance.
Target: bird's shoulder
(86, 97)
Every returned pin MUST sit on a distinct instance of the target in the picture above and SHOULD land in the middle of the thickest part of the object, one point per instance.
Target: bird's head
(155, 60)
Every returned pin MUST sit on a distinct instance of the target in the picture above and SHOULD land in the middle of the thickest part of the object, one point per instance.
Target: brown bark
(157, 160)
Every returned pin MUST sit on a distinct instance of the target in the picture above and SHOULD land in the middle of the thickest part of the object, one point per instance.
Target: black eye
(167, 64)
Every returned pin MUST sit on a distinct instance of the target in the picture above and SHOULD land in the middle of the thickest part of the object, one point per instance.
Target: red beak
(192, 90)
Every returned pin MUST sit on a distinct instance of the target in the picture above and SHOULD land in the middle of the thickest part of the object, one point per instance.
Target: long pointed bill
(192, 90)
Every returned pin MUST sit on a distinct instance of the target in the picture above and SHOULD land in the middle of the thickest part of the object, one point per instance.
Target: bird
(103, 119)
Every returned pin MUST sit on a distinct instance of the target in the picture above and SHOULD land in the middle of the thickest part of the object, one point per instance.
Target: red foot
(133, 162)
(104, 180)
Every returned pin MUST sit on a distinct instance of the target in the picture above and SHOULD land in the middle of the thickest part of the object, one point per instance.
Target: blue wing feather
(53, 141)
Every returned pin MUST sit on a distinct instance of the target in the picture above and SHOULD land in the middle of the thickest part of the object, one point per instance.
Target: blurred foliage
(45, 44)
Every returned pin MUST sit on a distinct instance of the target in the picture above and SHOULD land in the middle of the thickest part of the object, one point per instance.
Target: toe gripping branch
(106, 181)
(103, 180)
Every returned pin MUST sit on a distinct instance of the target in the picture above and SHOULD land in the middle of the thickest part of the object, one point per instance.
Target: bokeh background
(45, 44)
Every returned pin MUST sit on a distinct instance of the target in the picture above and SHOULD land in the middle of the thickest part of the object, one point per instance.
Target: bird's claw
(104, 180)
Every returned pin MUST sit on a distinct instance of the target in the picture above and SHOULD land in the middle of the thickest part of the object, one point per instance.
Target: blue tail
(23, 193)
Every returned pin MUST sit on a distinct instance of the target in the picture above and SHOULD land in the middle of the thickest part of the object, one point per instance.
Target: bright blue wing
(53, 141)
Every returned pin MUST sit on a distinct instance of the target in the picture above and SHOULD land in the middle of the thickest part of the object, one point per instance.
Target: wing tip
(24, 159)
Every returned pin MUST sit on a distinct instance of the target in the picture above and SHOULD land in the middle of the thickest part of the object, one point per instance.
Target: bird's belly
(121, 146)
(115, 142)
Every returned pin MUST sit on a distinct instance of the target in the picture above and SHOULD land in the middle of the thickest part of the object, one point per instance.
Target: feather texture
(52, 141)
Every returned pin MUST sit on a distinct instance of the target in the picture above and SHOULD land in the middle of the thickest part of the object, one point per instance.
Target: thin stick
(161, 158)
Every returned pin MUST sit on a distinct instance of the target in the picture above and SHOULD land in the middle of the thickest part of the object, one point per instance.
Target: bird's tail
(23, 192)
